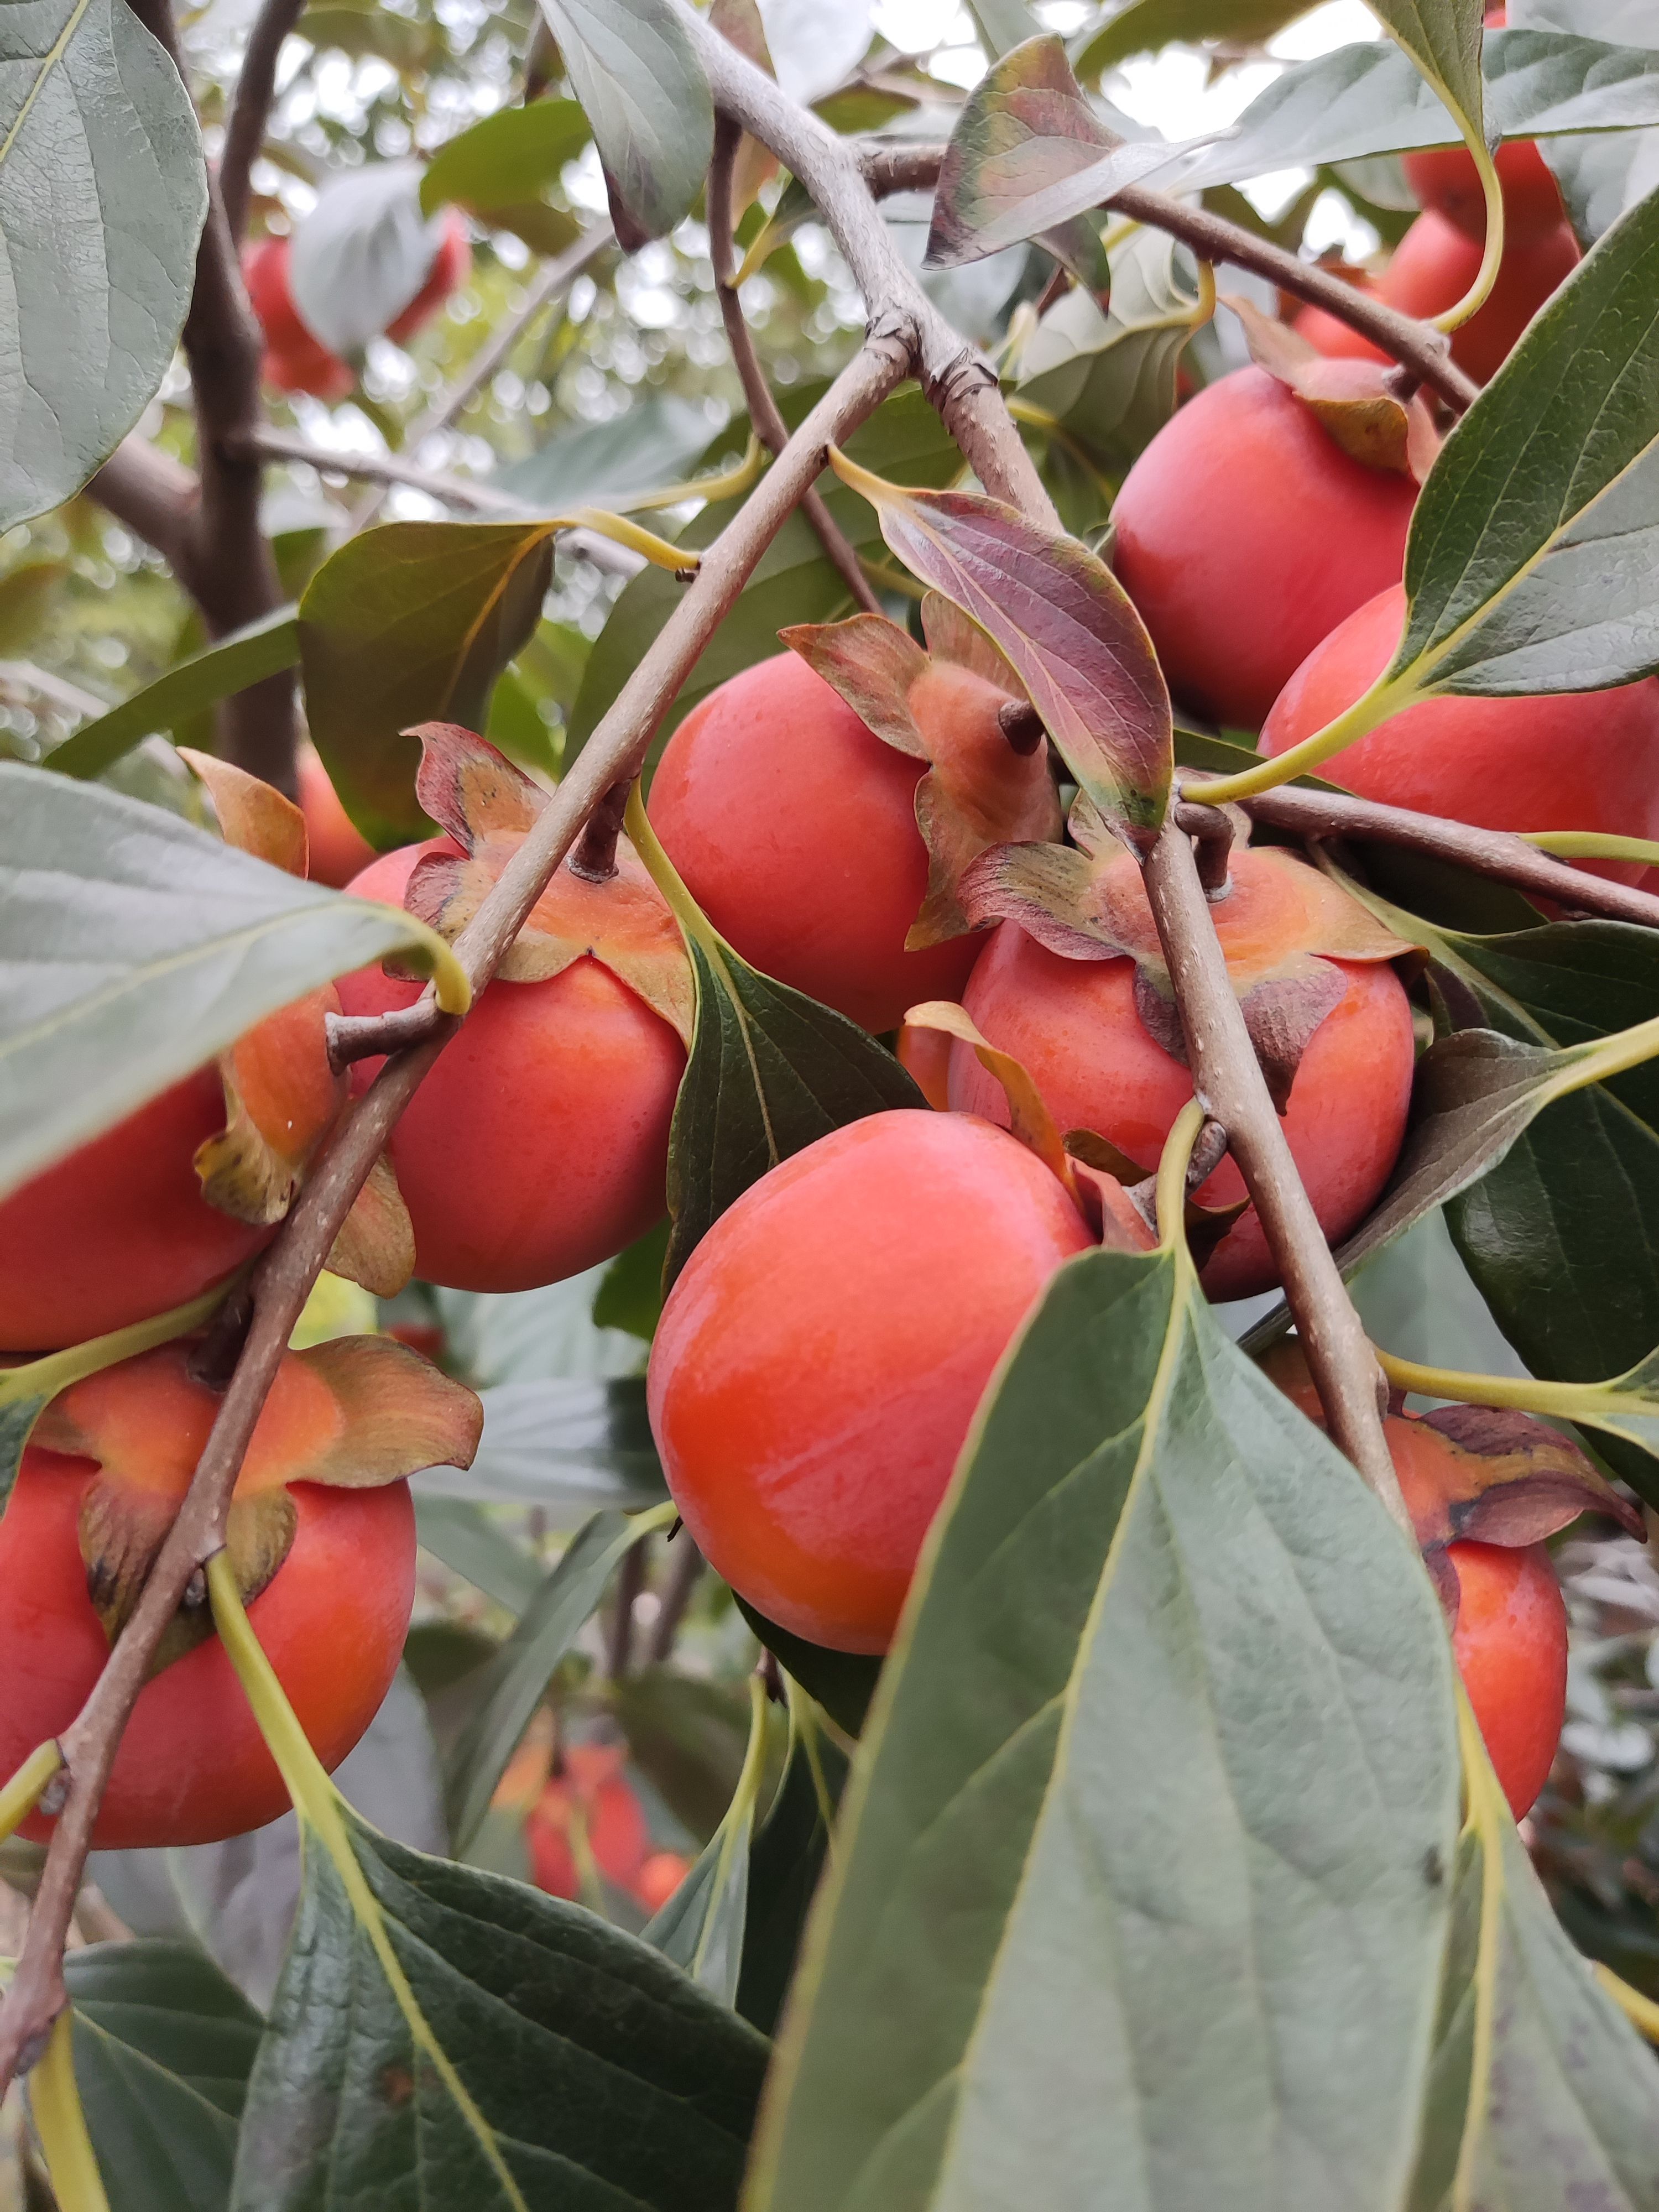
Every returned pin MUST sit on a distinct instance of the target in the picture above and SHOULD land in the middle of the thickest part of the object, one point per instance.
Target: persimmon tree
(1123, 1806)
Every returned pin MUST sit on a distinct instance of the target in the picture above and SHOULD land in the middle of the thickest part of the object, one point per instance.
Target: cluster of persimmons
(877, 823)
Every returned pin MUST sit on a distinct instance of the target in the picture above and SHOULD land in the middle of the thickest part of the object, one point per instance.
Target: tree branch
(768, 423)
(256, 87)
(1229, 1083)
(377, 468)
(156, 496)
(229, 568)
(1493, 853)
(1419, 346)
(283, 1279)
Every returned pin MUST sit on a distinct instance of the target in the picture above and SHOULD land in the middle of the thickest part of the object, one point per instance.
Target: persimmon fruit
(295, 360)
(795, 828)
(1077, 1027)
(537, 1145)
(122, 1228)
(1244, 534)
(1577, 760)
(820, 1356)
(338, 849)
(111, 1461)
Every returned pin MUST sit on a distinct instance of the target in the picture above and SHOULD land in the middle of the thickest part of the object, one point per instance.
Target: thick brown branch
(1229, 1083)
(1492, 853)
(1211, 238)
(250, 111)
(229, 571)
(768, 423)
(284, 1279)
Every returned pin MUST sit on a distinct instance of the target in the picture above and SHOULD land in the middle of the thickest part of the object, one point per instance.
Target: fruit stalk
(283, 1279)
(1229, 1086)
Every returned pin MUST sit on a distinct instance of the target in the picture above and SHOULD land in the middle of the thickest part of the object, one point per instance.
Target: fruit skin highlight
(1244, 534)
(794, 828)
(537, 1145)
(820, 1357)
(120, 1229)
(1075, 1025)
(1577, 760)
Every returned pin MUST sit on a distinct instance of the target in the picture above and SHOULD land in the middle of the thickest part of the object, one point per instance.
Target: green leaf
(1600, 176)
(770, 1072)
(1144, 26)
(630, 1295)
(133, 947)
(465, 1537)
(1067, 628)
(103, 190)
(510, 1688)
(686, 1735)
(413, 622)
(512, 156)
(163, 2047)
(702, 1926)
(656, 443)
(596, 2076)
(843, 1682)
(793, 581)
(1002, 24)
(362, 254)
(560, 1442)
(645, 94)
(247, 656)
(1137, 1887)
(785, 1861)
(1443, 38)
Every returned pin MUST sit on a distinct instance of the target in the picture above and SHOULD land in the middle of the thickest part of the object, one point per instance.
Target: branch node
(593, 856)
(363, 1037)
(53, 1798)
(1211, 829)
(1208, 1153)
(1021, 724)
(212, 1362)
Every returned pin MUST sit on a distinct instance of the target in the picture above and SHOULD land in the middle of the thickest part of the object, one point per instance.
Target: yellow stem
(1490, 259)
(1172, 1175)
(23, 1793)
(1641, 2012)
(44, 1378)
(1592, 845)
(428, 954)
(72, 2162)
(729, 484)
(1571, 1401)
(658, 550)
(770, 238)
(667, 879)
(1613, 1055)
(740, 1813)
(1389, 696)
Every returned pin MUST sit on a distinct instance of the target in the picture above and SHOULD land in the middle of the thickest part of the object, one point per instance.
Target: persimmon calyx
(486, 805)
(376, 1246)
(355, 1413)
(1350, 399)
(1280, 926)
(253, 816)
(282, 1098)
(988, 780)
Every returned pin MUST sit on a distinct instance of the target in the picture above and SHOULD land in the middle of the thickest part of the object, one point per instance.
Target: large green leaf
(413, 622)
(1145, 25)
(564, 1444)
(103, 190)
(133, 947)
(793, 581)
(770, 1072)
(264, 648)
(645, 95)
(785, 1861)
(511, 156)
(467, 1538)
(1138, 1894)
(580, 2071)
(655, 443)
(1600, 176)
(163, 2047)
(1443, 38)
(510, 1687)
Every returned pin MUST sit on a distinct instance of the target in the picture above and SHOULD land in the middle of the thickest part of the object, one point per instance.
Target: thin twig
(380, 469)
(1227, 1080)
(1491, 853)
(685, 1564)
(1419, 346)
(284, 1280)
(250, 111)
(768, 423)
(619, 1644)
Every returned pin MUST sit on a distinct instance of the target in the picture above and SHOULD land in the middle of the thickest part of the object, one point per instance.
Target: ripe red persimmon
(121, 1229)
(1446, 179)
(1510, 1640)
(1581, 760)
(820, 1357)
(1076, 1025)
(339, 848)
(1433, 267)
(1244, 534)
(795, 828)
(537, 1145)
(114, 1456)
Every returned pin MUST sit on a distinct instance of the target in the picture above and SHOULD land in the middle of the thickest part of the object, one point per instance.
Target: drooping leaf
(477, 1547)
(411, 622)
(133, 947)
(1143, 26)
(1443, 38)
(701, 1926)
(575, 2069)
(163, 2047)
(362, 254)
(568, 1445)
(1066, 626)
(685, 1734)
(1154, 1804)
(511, 156)
(785, 1861)
(103, 190)
(793, 581)
(511, 1687)
(645, 94)
(1602, 175)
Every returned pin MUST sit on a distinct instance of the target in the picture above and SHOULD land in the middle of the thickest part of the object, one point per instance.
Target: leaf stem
(55, 2100)
(1573, 1401)
(739, 1816)
(20, 1796)
(1640, 2011)
(1389, 696)
(1492, 255)
(1592, 845)
(1172, 1175)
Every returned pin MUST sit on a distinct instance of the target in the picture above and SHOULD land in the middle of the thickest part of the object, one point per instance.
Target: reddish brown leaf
(1350, 398)
(872, 664)
(376, 1244)
(1511, 1479)
(469, 788)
